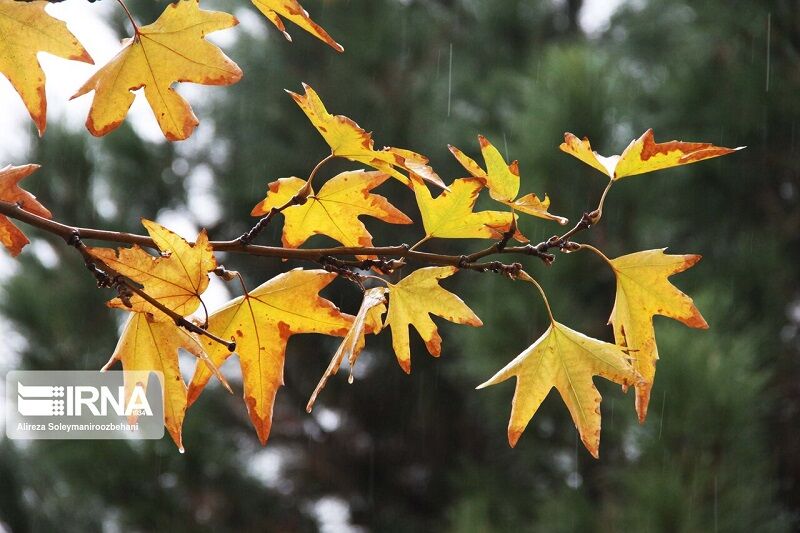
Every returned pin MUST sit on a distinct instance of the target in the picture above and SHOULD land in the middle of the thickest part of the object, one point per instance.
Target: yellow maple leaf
(175, 279)
(413, 300)
(451, 215)
(642, 292)
(642, 155)
(261, 323)
(348, 140)
(567, 360)
(10, 236)
(292, 10)
(149, 344)
(27, 29)
(334, 210)
(503, 181)
(170, 50)
(368, 320)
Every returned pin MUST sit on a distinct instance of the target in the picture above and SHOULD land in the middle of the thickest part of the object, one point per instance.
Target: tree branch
(106, 276)
(316, 255)
(389, 258)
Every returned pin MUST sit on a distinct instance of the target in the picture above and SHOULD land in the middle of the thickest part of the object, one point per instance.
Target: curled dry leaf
(567, 360)
(368, 320)
(348, 140)
(10, 236)
(261, 322)
(451, 215)
(643, 291)
(27, 29)
(334, 210)
(413, 300)
(170, 50)
(503, 181)
(642, 155)
(176, 278)
(292, 10)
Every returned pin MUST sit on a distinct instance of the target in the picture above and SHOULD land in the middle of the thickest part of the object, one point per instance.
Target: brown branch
(315, 255)
(110, 278)
(389, 258)
(105, 275)
(560, 242)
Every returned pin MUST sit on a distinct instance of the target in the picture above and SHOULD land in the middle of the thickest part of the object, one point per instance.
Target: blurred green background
(720, 450)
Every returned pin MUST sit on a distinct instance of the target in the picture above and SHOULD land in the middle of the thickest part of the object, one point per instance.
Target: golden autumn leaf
(348, 140)
(567, 360)
(368, 320)
(643, 291)
(10, 236)
(261, 323)
(451, 215)
(27, 29)
(334, 210)
(642, 155)
(176, 278)
(413, 300)
(503, 181)
(170, 50)
(292, 11)
(149, 344)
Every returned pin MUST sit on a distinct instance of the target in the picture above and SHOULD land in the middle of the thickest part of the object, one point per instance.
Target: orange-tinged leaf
(348, 140)
(176, 278)
(261, 323)
(643, 291)
(26, 30)
(368, 320)
(413, 300)
(451, 216)
(149, 344)
(642, 155)
(567, 360)
(334, 210)
(170, 50)
(530, 204)
(10, 236)
(292, 10)
(503, 181)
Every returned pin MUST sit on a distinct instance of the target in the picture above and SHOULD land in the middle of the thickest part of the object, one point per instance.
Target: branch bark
(315, 255)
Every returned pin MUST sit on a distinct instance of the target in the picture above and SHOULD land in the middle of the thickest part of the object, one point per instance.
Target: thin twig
(110, 278)
(105, 275)
(299, 198)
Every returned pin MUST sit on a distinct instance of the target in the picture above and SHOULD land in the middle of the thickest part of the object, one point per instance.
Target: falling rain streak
(769, 42)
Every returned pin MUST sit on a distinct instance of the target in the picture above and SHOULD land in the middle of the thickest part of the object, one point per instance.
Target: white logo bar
(37, 407)
(38, 391)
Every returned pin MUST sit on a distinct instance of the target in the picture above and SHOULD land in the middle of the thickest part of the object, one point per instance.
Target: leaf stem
(419, 243)
(598, 252)
(245, 292)
(526, 277)
(599, 209)
(319, 166)
(130, 17)
(376, 278)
